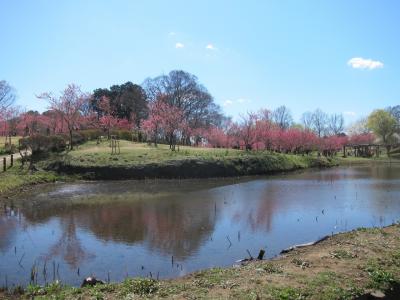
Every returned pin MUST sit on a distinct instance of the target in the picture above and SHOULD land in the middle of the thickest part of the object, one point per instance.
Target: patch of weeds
(329, 285)
(351, 293)
(75, 291)
(245, 294)
(380, 279)
(97, 295)
(204, 283)
(287, 293)
(212, 277)
(301, 263)
(53, 287)
(138, 286)
(18, 290)
(34, 290)
(271, 268)
(396, 258)
(172, 289)
(370, 230)
(324, 278)
(342, 254)
(336, 292)
(362, 229)
(110, 287)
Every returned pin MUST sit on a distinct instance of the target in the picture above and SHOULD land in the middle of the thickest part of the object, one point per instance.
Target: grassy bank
(17, 179)
(139, 161)
(344, 266)
(3, 140)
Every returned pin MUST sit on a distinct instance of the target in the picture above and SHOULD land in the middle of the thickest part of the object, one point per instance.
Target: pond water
(168, 228)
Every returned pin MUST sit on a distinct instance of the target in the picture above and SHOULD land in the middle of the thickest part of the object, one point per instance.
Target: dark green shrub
(41, 143)
(78, 138)
(123, 134)
(91, 134)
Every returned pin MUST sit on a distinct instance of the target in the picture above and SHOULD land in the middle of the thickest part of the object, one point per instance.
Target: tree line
(178, 110)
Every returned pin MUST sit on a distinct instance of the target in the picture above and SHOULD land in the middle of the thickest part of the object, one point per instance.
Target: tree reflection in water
(69, 246)
(121, 226)
(8, 226)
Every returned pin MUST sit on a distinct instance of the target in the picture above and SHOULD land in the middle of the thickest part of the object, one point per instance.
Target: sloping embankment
(194, 167)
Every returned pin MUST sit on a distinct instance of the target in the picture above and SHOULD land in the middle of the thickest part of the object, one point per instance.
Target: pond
(168, 228)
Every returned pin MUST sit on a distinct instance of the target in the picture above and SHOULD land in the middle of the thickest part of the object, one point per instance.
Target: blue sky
(249, 54)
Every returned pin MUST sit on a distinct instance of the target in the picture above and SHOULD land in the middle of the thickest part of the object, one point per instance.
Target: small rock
(260, 270)
(91, 281)
(378, 294)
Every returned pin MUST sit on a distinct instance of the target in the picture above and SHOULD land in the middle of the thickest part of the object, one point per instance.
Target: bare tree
(336, 124)
(282, 117)
(307, 119)
(7, 95)
(182, 90)
(359, 127)
(395, 112)
(320, 122)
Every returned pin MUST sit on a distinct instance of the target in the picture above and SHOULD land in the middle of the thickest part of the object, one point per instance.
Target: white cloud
(363, 63)
(179, 45)
(237, 101)
(228, 102)
(211, 47)
(350, 113)
(172, 33)
(242, 100)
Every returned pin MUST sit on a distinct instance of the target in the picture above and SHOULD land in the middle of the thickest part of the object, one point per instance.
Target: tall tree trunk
(70, 140)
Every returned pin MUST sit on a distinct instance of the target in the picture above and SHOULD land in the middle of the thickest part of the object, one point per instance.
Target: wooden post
(261, 254)
(12, 160)
(344, 151)
(4, 164)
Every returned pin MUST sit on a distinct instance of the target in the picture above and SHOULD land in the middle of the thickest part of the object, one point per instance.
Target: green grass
(90, 154)
(341, 254)
(380, 276)
(16, 178)
(14, 141)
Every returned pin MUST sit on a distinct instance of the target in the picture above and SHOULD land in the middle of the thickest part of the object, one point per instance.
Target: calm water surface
(134, 228)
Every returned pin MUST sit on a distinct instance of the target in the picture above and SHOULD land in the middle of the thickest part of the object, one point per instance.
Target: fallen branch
(304, 245)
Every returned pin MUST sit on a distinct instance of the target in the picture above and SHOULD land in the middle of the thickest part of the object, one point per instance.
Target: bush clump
(41, 143)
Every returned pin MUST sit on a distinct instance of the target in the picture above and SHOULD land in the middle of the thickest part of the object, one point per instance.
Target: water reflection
(8, 227)
(69, 247)
(137, 227)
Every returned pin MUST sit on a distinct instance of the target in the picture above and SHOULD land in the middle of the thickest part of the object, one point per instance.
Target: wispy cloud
(211, 47)
(363, 63)
(227, 103)
(236, 101)
(179, 45)
(172, 33)
(350, 113)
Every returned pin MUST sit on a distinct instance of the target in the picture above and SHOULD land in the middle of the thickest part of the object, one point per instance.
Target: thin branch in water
(229, 240)
(248, 252)
(20, 260)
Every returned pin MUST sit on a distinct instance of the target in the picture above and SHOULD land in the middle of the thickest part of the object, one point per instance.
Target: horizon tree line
(176, 109)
